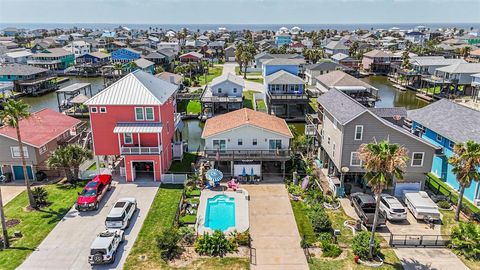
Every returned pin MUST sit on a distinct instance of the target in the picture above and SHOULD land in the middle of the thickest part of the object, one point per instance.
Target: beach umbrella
(244, 172)
(251, 171)
(214, 175)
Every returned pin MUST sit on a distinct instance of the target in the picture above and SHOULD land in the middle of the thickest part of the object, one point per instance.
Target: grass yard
(257, 80)
(35, 225)
(391, 262)
(261, 106)
(313, 104)
(437, 89)
(189, 106)
(185, 165)
(237, 71)
(213, 72)
(304, 225)
(248, 101)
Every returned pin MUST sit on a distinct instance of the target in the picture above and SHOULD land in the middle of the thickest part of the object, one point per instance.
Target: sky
(239, 11)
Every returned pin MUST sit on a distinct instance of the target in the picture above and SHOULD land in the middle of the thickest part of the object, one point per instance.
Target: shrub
(296, 190)
(188, 219)
(360, 245)
(188, 235)
(320, 220)
(168, 243)
(466, 240)
(330, 250)
(314, 196)
(187, 82)
(214, 245)
(443, 204)
(40, 195)
(241, 238)
(330, 199)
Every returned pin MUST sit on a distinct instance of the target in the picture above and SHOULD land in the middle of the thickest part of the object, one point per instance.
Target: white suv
(104, 247)
(121, 213)
(392, 208)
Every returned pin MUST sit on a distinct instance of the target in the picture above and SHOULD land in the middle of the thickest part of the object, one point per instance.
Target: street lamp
(343, 171)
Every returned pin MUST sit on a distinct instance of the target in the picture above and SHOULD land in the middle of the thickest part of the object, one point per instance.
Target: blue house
(283, 39)
(145, 65)
(125, 55)
(94, 59)
(445, 123)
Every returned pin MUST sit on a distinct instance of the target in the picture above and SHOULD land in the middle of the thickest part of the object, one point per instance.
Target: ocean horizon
(235, 27)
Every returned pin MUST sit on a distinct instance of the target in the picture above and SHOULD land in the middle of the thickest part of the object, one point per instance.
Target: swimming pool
(220, 213)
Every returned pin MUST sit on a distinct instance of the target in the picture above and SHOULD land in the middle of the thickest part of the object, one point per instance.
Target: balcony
(274, 154)
(287, 96)
(140, 150)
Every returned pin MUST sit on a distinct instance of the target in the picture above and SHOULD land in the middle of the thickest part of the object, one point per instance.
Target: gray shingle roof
(389, 112)
(468, 68)
(283, 77)
(325, 65)
(340, 106)
(18, 69)
(283, 62)
(228, 77)
(449, 119)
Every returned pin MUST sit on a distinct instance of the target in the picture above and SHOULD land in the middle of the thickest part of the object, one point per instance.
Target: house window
(42, 150)
(275, 144)
(219, 144)
(16, 151)
(328, 140)
(235, 90)
(168, 127)
(139, 114)
(355, 160)
(254, 142)
(149, 114)
(358, 133)
(240, 142)
(451, 144)
(417, 159)
(103, 109)
(127, 138)
(439, 138)
(219, 90)
(333, 150)
(93, 109)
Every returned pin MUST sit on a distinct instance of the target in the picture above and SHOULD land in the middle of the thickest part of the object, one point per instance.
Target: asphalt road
(68, 244)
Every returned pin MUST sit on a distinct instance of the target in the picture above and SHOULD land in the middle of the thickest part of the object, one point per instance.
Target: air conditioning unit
(477, 202)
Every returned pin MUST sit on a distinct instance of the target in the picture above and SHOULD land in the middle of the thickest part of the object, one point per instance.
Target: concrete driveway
(429, 258)
(10, 192)
(229, 67)
(68, 244)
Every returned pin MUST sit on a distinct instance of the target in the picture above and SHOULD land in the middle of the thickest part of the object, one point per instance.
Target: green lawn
(161, 215)
(391, 262)
(184, 165)
(313, 104)
(248, 101)
(189, 106)
(35, 225)
(261, 106)
(237, 71)
(437, 89)
(213, 72)
(257, 80)
(304, 224)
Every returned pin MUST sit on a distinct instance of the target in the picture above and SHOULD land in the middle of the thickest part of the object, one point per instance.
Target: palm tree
(13, 112)
(6, 243)
(69, 158)
(465, 162)
(382, 162)
(238, 55)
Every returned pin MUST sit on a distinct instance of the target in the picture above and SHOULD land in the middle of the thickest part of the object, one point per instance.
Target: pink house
(134, 118)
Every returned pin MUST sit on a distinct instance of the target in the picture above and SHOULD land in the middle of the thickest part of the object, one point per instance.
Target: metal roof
(138, 127)
(73, 87)
(136, 88)
(228, 77)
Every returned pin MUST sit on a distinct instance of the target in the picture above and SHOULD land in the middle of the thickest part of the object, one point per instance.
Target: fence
(174, 178)
(409, 240)
(253, 252)
(179, 209)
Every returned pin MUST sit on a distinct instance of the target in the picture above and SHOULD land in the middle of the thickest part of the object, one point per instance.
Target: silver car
(121, 213)
(392, 208)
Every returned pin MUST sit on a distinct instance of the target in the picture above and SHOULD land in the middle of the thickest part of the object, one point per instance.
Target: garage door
(18, 172)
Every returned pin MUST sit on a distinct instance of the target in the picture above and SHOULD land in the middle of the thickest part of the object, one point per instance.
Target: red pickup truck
(93, 192)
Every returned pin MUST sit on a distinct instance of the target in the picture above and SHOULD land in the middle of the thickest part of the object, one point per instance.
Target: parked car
(392, 208)
(121, 213)
(421, 206)
(104, 247)
(364, 205)
(93, 192)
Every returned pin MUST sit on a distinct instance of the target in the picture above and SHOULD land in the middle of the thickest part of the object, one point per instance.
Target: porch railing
(419, 240)
(140, 150)
(247, 154)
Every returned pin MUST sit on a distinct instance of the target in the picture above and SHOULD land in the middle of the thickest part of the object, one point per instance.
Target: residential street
(68, 245)
(229, 67)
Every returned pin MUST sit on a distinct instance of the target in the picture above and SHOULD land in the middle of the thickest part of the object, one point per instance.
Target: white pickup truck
(104, 247)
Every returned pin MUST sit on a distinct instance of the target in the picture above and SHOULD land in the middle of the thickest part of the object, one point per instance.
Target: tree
(238, 55)
(13, 112)
(247, 56)
(6, 242)
(406, 60)
(352, 51)
(465, 162)
(382, 162)
(69, 158)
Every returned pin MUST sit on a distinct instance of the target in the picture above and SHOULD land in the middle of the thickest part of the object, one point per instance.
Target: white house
(78, 47)
(18, 57)
(248, 139)
(224, 94)
(169, 45)
(227, 85)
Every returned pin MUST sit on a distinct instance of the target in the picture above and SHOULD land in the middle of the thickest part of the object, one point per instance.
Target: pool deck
(273, 229)
(242, 222)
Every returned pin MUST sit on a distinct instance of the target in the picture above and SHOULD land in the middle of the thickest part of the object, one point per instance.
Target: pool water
(220, 213)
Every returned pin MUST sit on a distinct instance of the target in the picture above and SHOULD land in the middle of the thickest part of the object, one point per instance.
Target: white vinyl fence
(171, 178)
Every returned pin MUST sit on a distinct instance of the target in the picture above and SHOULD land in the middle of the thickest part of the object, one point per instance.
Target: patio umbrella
(214, 175)
(244, 172)
(251, 172)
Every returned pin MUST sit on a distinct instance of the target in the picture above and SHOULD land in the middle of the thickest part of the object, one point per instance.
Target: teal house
(445, 123)
(53, 59)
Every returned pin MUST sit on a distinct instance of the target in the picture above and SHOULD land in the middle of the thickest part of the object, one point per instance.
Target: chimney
(172, 79)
